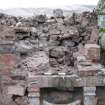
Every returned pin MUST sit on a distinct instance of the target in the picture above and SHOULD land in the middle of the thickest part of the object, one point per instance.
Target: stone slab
(16, 90)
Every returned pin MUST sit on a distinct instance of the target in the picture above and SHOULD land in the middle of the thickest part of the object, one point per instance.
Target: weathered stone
(60, 21)
(41, 64)
(33, 89)
(7, 47)
(24, 46)
(85, 63)
(68, 43)
(94, 36)
(57, 52)
(34, 101)
(41, 18)
(72, 32)
(7, 33)
(58, 13)
(85, 19)
(92, 52)
(53, 62)
(34, 96)
(51, 21)
(68, 21)
(7, 63)
(22, 29)
(89, 96)
(89, 70)
(81, 58)
(16, 90)
(54, 32)
(21, 100)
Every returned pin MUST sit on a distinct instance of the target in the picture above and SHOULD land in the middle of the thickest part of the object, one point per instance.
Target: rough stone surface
(92, 52)
(7, 63)
(16, 90)
(89, 96)
(58, 13)
(40, 48)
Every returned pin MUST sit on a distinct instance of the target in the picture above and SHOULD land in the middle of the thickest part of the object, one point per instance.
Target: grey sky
(42, 3)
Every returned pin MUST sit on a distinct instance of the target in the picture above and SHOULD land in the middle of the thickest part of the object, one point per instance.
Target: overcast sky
(4, 4)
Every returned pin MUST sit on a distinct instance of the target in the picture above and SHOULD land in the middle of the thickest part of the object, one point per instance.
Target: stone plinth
(89, 95)
(34, 95)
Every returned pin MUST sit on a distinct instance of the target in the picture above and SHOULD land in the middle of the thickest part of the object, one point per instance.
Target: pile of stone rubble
(58, 37)
(44, 46)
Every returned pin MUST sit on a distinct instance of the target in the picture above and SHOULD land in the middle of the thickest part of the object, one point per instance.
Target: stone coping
(65, 81)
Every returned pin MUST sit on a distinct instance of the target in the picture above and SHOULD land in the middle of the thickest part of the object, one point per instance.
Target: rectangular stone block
(34, 101)
(89, 95)
(34, 94)
(16, 90)
(7, 63)
(89, 91)
(7, 48)
(92, 52)
(33, 89)
(89, 70)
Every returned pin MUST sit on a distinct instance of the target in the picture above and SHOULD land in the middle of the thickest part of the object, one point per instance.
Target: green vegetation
(102, 30)
(100, 9)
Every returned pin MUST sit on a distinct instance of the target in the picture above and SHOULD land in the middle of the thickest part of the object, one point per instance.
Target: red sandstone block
(33, 89)
(92, 52)
(87, 73)
(89, 70)
(7, 63)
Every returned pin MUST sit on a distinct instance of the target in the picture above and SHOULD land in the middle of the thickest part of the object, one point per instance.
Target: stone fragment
(22, 29)
(57, 52)
(7, 46)
(85, 63)
(68, 20)
(16, 90)
(54, 32)
(53, 62)
(71, 32)
(89, 70)
(7, 33)
(25, 46)
(51, 21)
(21, 100)
(37, 63)
(85, 19)
(58, 13)
(19, 24)
(60, 21)
(41, 18)
(68, 43)
(81, 58)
